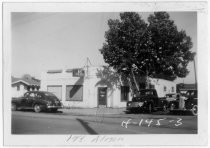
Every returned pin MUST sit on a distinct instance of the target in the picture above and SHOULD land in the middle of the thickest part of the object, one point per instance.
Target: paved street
(62, 122)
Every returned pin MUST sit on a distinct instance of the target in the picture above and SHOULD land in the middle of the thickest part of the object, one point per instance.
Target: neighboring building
(84, 88)
(162, 86)
(182, 88)
(24, 84)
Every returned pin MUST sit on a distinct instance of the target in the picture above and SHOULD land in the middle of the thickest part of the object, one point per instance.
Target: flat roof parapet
(69, 70)
(54, 71)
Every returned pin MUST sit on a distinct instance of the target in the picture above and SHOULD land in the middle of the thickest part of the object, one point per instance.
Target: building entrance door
(102, 96)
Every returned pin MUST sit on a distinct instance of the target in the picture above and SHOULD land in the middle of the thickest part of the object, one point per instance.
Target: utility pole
(195, 74)
(87, 64)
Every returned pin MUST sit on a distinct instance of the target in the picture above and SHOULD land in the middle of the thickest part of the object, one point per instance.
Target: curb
(92, 112)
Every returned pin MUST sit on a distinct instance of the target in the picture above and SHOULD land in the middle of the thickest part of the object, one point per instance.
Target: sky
(63, 40)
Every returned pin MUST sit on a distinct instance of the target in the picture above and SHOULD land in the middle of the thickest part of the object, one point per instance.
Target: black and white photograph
(105, 73)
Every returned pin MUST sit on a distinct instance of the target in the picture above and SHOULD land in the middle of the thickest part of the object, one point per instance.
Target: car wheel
(37, 108)
(14, 107)
(54, 110)
(194, 110)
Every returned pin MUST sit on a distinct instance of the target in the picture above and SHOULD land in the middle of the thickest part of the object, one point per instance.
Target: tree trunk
(147, 80)
(134, 78)
(131, 86)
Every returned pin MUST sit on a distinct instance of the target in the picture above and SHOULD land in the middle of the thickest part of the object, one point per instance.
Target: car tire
(54, 110)
(194, 110)
(37, 108)
(14, 107)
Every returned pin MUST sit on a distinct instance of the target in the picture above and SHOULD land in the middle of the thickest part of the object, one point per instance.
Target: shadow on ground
(31, 110)
(87, 127)
(182, 113)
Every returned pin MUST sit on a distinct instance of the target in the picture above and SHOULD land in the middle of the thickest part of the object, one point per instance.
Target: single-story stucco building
(84, 88)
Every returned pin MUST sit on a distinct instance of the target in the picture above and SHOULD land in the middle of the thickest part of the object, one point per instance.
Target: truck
(147, 100)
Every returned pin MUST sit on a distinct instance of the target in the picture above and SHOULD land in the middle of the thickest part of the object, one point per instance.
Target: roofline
(23, 82)
(20, 81)
(187, 89)
(40, 91)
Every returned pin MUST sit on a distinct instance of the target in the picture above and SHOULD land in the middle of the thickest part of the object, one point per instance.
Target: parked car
(188, 104)
(173, 96)
(147, 100)
(38, 101)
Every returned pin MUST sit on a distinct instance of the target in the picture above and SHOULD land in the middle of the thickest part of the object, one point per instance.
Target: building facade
(86, 89)
(183, 88)
(163, 87)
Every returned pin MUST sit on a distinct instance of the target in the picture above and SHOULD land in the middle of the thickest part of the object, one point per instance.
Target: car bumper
(135, 108)
(136, 105)
(52, 107)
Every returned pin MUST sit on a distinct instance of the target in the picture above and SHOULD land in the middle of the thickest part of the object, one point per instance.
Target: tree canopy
(136, 48)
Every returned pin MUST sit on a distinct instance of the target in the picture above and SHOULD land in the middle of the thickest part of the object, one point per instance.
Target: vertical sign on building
(78, 73)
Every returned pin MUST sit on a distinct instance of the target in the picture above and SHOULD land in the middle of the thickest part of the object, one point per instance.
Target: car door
(23, 102)
(155, 99)
(31, 99)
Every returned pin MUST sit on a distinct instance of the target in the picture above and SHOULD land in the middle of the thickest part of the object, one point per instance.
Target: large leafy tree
(136, 49)
(171, 47)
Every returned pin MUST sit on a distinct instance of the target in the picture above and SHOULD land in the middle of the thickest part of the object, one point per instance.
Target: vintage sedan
(189, 104)
(38, 101)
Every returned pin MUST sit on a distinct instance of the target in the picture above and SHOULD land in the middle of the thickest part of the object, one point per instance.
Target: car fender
(16, 101)
(189, 104)
(129, 102)
(149, 102)
(41, 103)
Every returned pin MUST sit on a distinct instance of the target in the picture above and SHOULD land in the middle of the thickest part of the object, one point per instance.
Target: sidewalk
(94, 111)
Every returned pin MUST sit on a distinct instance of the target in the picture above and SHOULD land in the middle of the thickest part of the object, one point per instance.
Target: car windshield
(191, 93)
(170, 95)
(146, 92)
(136, 99)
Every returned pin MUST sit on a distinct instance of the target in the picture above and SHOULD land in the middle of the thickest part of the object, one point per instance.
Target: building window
(172, 89)
(78, 73)
(124, 93)
(74, 93)
(56, 90)
(164, 88)
(28, 88)
(151, 86)
(18, 87)
(32, 87)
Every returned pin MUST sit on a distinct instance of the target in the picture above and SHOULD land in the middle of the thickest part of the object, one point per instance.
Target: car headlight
(141, 103)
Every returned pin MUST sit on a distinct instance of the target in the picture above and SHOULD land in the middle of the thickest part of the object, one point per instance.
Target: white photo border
(133, 140)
